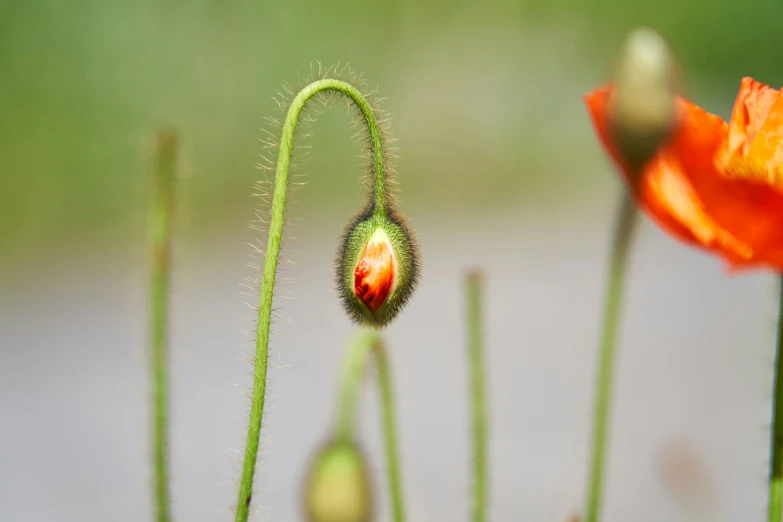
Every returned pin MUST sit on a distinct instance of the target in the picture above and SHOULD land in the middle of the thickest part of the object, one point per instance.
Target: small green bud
(377, 267)
(338, 486)
(642, 105)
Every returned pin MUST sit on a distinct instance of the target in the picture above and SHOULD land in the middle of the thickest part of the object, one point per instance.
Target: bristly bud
(338, 486)
(377, 267)
(642, 104)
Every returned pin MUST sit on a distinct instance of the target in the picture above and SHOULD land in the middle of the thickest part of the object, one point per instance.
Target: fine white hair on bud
(642, 104)
(377, 267)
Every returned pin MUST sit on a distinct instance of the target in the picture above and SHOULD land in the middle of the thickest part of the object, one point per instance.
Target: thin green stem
(775, 504)
(623, 235)
(477, 394)
(368, 342)
(273, 252)
(159, 238)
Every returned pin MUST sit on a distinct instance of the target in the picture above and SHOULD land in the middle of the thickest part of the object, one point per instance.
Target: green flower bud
(377, 267)
(338, 486)
(642, 105)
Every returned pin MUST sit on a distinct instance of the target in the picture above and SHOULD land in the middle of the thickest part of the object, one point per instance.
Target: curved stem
(159, 237)
(365, 343)
(775, 504)
(477, 395)
(624, 227)
(273, 252)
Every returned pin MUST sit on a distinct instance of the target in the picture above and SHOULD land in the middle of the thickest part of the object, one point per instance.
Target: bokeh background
(498, 168)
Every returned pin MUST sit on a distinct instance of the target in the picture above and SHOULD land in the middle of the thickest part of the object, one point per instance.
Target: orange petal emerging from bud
(375, 272)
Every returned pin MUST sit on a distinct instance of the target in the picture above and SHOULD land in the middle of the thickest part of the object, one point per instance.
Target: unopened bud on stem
(338, 486)
(642, 104)
(377, 267)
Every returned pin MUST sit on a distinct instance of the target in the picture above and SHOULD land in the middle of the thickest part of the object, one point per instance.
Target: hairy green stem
(775, 504)
(273, 251)
(366, 342)
(477, 394)
(159, 238)
(626, 220)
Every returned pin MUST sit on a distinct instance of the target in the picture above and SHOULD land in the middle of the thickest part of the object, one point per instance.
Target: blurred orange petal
(688, 193)
(754, 149)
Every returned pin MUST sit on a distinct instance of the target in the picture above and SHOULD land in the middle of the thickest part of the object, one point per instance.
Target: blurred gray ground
(695, 365)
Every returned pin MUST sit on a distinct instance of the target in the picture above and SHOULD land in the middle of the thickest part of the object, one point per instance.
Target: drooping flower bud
(377, 267)
(642, 104)
(338, 486)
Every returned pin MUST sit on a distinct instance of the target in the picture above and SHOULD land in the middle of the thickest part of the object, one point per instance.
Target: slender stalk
(775, 505)
(626, 220)
(368, 342)
(159, 237)
(273, 251)
(477, 394)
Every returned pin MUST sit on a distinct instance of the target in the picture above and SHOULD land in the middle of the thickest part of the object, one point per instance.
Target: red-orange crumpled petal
(687, 193)
(374, 274)
(754, 148)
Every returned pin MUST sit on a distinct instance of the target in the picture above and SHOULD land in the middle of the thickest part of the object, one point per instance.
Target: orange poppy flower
(375, 272)
(715, 185)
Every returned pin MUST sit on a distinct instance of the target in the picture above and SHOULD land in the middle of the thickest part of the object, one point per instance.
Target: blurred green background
(485, 98)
